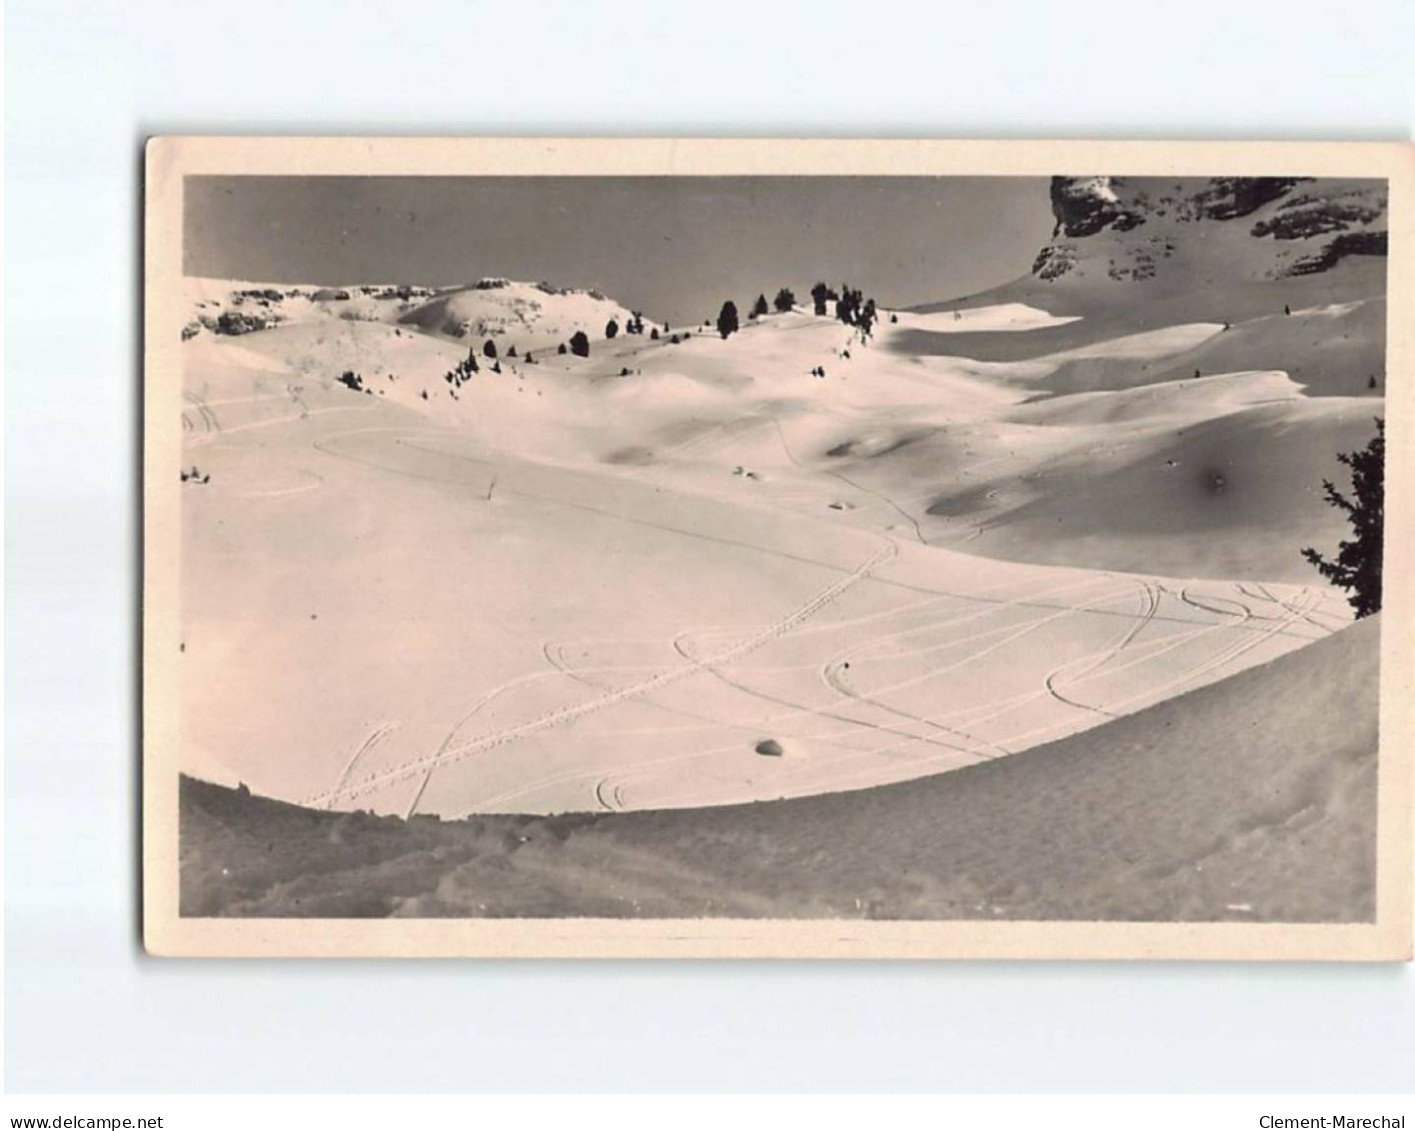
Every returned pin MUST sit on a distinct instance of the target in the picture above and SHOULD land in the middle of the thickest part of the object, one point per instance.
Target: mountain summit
(1127, 228)
(1291, 269)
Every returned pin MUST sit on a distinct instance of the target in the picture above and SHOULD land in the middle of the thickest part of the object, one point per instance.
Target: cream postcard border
(169, 159)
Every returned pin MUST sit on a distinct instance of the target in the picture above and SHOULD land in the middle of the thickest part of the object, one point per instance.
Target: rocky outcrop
(1306, 216)
(1094, 216)
(1228, 198)
(401, 293)
(1348, 243)
(262, 295)
(1084, 206)
(1054, 260)
(238, 322)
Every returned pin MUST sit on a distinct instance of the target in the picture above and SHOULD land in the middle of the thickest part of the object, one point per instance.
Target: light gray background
(85, 1011)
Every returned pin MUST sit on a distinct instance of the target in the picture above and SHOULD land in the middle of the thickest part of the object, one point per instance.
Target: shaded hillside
(1252, 799)
(1334, 350)
(1136, 254)
(1225, 497)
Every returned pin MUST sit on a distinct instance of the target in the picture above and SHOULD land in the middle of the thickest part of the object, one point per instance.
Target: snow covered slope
(1250, 800)
(612, 581)
(1293, 266)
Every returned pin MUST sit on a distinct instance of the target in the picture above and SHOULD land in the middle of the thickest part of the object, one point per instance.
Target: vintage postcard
(778, 548)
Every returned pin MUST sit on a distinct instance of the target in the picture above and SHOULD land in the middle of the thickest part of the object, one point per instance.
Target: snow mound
(1006, 316)
(525, 315)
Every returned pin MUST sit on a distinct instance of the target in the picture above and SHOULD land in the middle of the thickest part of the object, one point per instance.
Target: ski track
(1096, 661)
(663, 679)
(373, 738)
(214, 430)
(884, 500)
(918, 765)
(608, 790)
(1250, 627)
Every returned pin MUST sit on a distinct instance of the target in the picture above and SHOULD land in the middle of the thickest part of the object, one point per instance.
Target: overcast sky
(672, 247)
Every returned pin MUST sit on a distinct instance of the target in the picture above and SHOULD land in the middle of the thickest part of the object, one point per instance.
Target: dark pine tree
(1357, 567)
(760, 307)
(611, 328)
(845, 306)
(511, 352)
(580, 344)
(820, 295)
(865, 318)
(561, 349)
(727, 319)
(784, 301)
(489, 349)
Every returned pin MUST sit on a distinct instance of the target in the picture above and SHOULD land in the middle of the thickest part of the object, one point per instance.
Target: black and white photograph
(830, 550)
(700, 566)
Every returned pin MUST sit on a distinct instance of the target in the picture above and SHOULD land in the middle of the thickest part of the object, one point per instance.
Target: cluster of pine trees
(783, 303)
(634, 324)
(851, 308)
(466, 367)
(580, 343)
(727, 319)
